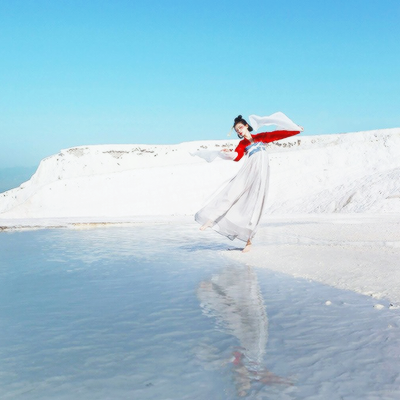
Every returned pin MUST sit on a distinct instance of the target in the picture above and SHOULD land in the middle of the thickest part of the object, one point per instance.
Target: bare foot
(247, 247)
(208, 224)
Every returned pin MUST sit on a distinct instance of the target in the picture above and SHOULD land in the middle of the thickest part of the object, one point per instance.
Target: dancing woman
(236, 210)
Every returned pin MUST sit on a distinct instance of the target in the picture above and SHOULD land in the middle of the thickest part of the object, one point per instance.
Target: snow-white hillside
(353, 172)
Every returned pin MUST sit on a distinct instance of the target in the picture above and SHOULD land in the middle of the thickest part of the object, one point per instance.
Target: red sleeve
(240, 150)
(267, 137)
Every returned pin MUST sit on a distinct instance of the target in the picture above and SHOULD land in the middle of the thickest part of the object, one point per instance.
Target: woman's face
(242, 130)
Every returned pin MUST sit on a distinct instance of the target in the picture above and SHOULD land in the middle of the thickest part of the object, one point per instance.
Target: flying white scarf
(279, 119)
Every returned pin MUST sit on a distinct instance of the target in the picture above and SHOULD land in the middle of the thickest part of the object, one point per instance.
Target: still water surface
(158, 312)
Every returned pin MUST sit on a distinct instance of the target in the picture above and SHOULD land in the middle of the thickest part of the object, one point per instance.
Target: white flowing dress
(235, 211)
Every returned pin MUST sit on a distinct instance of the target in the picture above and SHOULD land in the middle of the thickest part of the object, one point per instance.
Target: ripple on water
(157, 312)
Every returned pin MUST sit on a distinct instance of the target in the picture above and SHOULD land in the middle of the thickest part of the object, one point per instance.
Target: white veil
(279, 119)
(211, 155)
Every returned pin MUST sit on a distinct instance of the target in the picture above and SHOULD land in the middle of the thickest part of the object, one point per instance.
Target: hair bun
(238, 118)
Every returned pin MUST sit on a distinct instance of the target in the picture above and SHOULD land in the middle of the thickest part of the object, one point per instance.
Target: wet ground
(156, 311)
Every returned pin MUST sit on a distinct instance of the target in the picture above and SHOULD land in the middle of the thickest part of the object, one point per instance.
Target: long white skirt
(235, 211)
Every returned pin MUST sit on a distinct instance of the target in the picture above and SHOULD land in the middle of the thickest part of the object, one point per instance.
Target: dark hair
(240, 120)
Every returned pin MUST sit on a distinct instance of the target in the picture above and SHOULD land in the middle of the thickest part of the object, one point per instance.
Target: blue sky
(93, 72)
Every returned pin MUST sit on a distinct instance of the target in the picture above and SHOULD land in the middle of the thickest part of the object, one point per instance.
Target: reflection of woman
(234, 299)
(236, 210)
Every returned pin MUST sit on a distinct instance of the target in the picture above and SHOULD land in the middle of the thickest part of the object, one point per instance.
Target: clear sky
(76, 72)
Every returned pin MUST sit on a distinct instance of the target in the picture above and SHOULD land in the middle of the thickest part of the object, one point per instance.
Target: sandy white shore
(357, 252)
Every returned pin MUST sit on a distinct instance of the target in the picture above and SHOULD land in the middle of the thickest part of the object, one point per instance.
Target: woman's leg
(208, 224)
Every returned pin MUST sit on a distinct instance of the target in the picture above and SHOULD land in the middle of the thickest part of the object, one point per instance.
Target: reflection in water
(113, 314)
(234, 299)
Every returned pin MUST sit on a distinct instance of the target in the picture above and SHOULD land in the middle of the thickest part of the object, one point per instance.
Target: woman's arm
(240, 149)
(267, 137)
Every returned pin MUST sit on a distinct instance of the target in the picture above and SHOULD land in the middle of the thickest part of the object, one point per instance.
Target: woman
(236, 210)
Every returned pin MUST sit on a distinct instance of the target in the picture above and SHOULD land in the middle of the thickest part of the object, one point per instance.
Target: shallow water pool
(156, 311)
